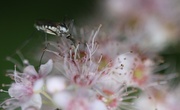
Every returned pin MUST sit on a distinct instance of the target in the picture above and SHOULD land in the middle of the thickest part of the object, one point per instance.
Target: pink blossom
(164, 99)
(80, 100)
(25, 91)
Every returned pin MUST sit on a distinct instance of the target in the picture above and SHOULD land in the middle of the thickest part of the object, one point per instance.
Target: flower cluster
(88, 75)
(98, 69)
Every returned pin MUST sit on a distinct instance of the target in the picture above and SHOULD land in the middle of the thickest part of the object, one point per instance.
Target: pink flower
(113, 93)
(79, 100)
(77, 62)
(25, 91)
(163, 99)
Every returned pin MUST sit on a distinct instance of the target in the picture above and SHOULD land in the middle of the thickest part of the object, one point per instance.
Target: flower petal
(62, 99)
(98, 105)
(46, 68)
(20, 91)
(30, 70)
(55, 84)
(38, 85)
(34, 103)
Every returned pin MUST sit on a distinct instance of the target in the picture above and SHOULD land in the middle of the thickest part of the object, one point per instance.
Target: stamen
(157, 83)
(1, 90)
(25, 61)
(75, 53)
(12, 60)
(11, 75)
(129, 97)
(97, 31)
(70, 53)
(100, 58)
(130, 92)
(15, 74)
(6, 85)
(9, 71)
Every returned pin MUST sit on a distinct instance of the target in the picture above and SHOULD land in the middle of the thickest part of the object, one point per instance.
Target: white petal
(144, 103)
(55, 84)
(98, 105)
(15, 89)
(123, 67)
(34, 102)
(20, 91)
(38, 85)
(62, 99)
(30, 70)
(125, 62)
(46, 68)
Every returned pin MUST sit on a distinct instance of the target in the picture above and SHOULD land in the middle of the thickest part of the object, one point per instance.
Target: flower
(164, 100)
(77, 62)
(151, 24)
(25, 91)
(55, 84)
(80, 99)
(114, 93)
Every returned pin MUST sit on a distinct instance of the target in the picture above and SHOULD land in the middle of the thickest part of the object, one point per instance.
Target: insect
(55, 28)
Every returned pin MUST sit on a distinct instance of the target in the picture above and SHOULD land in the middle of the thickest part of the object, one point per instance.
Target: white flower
(23, 94)
(25, 91)
(30, 72)
(163, 99)
(55, 84)
(136, 70)
(123, 67)
(113, 92)
(38, 78)
(79, 100)
(79, 64)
